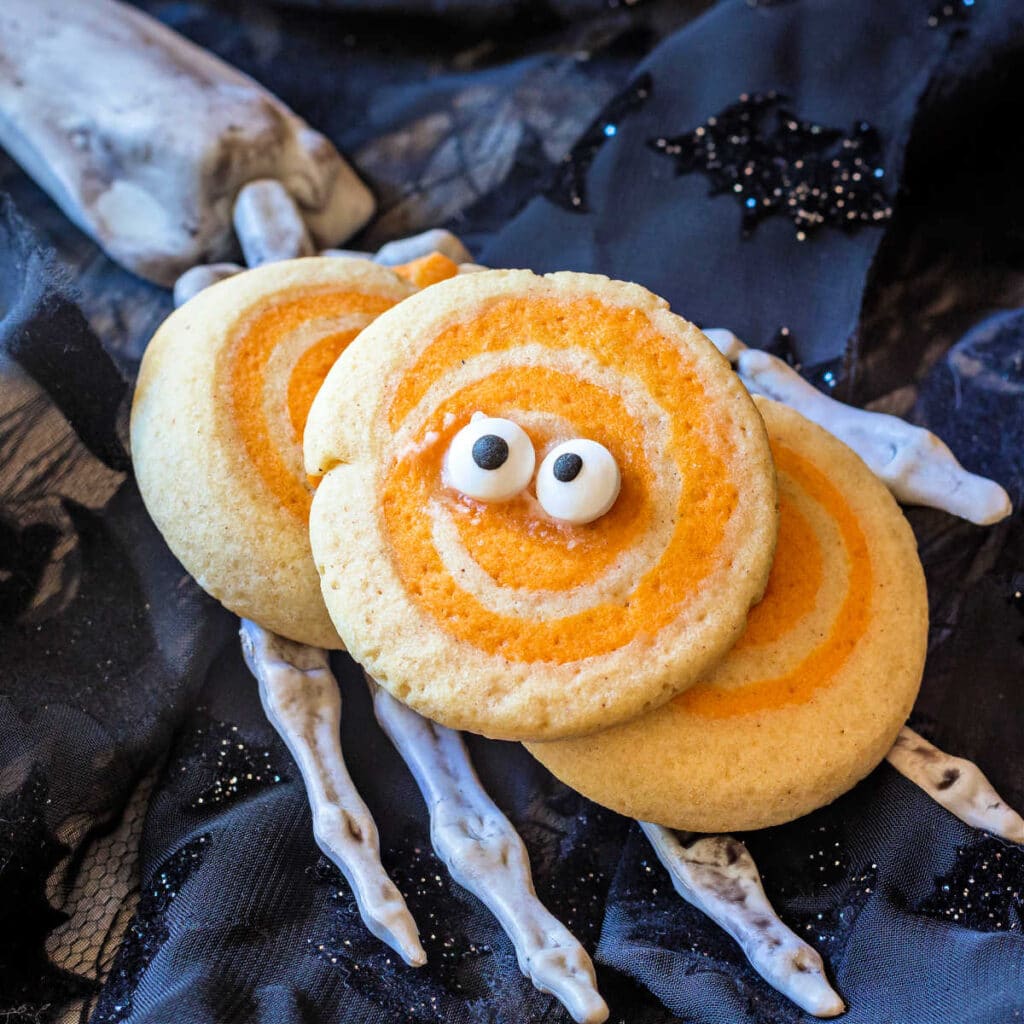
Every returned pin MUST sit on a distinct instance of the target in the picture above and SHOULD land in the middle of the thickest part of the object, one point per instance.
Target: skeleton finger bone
(302, 701)
(912, 462)
(718, 876)
(269, 224)
(485, 855)
(956, 784)
(405, 250)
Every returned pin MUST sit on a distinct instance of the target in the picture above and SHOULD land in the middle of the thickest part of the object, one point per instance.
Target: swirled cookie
(814, 693)
(546, 503)
(217, 423)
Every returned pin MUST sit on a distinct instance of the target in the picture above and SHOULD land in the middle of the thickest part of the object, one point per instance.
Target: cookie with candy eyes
(546, 503)
(813, 695)
(217, 423)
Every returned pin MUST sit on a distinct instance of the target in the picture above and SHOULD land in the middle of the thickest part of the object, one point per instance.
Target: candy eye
(578, 481)
(490, 459)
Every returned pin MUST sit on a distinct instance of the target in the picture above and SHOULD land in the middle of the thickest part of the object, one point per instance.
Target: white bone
(912, 462)
(957, 784)
(485, 855)
(405, 250)
(269, 224)
(143, 138)
(302, 701)
(718, 876)
(193, 281)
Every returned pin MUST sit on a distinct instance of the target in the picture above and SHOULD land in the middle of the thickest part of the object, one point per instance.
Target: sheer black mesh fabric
(156, 858)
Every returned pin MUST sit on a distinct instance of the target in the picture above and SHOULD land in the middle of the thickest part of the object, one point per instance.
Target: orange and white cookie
(217, 423)
(546, 503)
(813, 695)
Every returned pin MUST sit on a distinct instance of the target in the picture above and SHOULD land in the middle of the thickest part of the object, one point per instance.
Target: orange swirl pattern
(512, 542)
(509, 541)
(794, 584)
(427, 270)
(244, 368)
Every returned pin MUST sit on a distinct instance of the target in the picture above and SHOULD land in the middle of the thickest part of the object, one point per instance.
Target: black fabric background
(118, 671)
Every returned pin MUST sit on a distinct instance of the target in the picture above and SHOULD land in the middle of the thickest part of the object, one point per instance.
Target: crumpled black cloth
(120, 677)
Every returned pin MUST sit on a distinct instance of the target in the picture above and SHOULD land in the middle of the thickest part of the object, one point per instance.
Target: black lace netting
(156, 860)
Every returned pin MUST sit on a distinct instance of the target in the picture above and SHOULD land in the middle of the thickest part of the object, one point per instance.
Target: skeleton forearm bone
(485, 854)
(718, 876)
(912, 462)
(144, 139)
(302, 700)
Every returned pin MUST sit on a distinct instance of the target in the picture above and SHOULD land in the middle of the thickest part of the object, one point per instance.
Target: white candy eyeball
(490, 459)
(578, 481)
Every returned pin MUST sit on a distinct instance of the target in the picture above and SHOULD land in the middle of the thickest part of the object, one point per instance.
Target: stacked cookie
(812, 695)
(541, 509)
(217, 421)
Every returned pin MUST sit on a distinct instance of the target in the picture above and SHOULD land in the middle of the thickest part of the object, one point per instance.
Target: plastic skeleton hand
(912, 462)
(703, 872)
(157, 225)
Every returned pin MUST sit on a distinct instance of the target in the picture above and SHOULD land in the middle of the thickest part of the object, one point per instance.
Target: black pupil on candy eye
(490, 451)
(567, 467)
